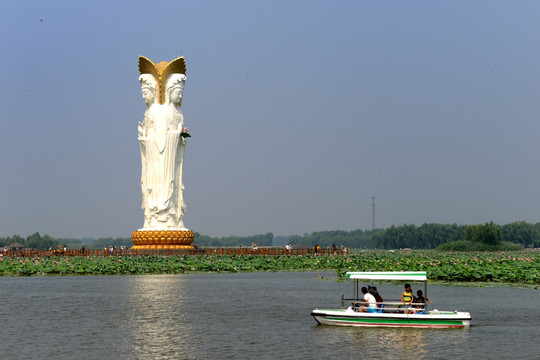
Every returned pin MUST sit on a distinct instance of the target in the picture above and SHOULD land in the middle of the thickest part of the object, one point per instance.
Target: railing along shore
(169, 252)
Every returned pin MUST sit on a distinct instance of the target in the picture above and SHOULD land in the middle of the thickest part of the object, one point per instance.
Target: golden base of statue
(163, 240)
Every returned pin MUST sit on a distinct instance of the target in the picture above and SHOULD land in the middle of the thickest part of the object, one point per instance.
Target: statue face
(148, 88)
(148, 95)
(177, 91)
(175, 87)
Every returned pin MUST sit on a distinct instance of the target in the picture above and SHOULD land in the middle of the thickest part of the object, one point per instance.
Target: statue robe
(162, 155)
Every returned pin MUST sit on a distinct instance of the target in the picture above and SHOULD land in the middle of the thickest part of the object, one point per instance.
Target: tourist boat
(390, 313)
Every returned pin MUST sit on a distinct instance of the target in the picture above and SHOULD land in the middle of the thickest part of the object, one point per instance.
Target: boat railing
(386, 306)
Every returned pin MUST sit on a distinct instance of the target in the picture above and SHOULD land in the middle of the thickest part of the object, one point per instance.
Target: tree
(9, 240)
(521, 232)
(36, 241)
(489, 233)
(33, 241)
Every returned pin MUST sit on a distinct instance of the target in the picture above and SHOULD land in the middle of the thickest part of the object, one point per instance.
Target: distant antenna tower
(373, 212)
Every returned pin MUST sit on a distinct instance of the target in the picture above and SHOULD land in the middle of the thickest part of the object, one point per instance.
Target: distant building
(15, 246)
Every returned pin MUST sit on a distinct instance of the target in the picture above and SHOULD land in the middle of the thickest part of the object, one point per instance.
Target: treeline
(45, 242)
(485, 237)
(96, 244)
(356, 239)
(34, 241)
(103, 243)
(427, 236)
(261, 240)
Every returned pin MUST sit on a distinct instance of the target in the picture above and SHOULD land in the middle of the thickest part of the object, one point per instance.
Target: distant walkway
(278, 251)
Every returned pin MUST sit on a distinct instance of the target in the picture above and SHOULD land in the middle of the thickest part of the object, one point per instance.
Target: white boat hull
(433, 319)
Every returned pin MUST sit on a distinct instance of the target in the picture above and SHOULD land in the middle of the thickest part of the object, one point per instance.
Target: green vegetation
(513, 267)
(426, 236)
(200, 240)
(34, 241)
(229, 241)
(464, 245)
(480, 238)
(489, 234)
(356, 239)
(103, 243)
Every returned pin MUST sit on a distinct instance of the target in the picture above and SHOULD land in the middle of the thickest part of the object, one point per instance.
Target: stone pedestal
(162, 239)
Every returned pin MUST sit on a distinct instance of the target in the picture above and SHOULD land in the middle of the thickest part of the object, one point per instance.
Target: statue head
(148, 88)
(165, 75)
(175, 88)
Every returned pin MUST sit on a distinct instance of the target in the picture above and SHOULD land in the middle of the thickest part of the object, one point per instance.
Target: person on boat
(407, 298)
(373, 291)
(370, 304)
(421, 301)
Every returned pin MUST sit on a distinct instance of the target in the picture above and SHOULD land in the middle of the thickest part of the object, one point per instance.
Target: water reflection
(378, 343)
(407, 343)
(154, 318)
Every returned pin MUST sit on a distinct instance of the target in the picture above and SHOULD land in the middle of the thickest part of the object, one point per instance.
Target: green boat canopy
(389, 275)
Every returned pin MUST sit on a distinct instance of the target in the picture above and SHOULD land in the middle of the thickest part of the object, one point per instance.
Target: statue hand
(141, 130)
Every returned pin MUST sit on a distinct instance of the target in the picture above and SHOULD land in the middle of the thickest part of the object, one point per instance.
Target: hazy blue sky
(299, 112)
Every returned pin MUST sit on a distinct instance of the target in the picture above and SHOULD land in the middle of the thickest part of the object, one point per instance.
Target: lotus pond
(511, 267)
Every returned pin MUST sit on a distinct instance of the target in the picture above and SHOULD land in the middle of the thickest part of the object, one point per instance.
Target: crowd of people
(343, 250)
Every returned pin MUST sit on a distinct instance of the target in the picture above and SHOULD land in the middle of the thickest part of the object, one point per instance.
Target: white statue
(148, 87)
(162, 139)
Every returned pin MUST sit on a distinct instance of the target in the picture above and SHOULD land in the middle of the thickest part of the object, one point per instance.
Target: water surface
(245, 316)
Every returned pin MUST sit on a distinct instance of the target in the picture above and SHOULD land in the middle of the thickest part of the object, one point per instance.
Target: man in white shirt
(370, 304)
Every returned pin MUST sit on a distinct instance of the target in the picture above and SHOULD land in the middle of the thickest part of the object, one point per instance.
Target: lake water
(246, 316)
